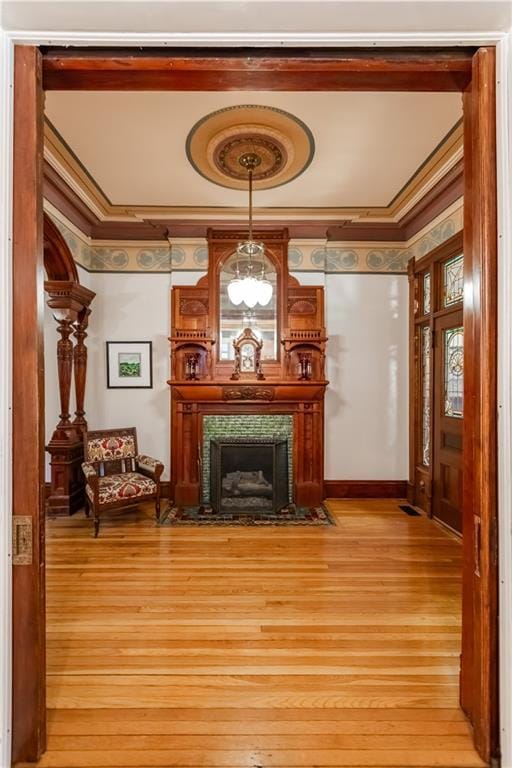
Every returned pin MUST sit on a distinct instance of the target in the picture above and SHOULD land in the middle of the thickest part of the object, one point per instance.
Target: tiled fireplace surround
(248, 426)
(202, 412)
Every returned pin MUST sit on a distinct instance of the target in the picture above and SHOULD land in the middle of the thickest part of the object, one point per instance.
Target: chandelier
(251, 287)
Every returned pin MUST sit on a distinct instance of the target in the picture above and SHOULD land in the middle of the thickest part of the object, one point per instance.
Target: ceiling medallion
(217, 142)
(272, 154)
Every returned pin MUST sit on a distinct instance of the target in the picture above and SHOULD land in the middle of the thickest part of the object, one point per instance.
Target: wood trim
(447, 190)
(421, 484)
(479, 674)
(381, 70)
(413, 382)
(60, 194)
(58, 260)
(365, 489)
(443, 194)
(29, 656)
(267, 69)
(444, 251)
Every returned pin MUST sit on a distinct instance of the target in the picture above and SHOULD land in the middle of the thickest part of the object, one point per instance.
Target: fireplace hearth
(248, 474)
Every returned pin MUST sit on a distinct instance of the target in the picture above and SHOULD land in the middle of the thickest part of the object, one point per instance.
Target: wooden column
(479, 673)
(69, 302)
(80, 369)
(28, 574)
(65, 367)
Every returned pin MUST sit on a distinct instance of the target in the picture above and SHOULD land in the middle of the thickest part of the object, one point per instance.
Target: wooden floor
(255, 647)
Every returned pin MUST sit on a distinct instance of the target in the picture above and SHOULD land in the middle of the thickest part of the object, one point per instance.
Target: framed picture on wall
(129, 365)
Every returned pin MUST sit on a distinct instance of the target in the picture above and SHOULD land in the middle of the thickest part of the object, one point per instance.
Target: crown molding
(74, 192)
(445, 192)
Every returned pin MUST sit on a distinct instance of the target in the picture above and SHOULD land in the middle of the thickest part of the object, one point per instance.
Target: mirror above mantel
(233, 319)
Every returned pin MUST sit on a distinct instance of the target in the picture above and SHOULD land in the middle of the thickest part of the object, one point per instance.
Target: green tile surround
(246, 426)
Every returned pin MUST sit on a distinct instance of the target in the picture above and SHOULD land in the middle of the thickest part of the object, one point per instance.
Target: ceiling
(367, 145)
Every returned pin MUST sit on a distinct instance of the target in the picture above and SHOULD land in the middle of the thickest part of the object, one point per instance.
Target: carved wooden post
(69, 302)
(65, 321)
(80, 369)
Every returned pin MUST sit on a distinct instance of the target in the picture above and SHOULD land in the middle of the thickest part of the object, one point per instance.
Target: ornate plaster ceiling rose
(284, 144)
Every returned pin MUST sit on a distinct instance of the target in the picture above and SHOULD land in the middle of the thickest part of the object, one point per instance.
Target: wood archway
(58, 259)
(69, 302)
(469, 71)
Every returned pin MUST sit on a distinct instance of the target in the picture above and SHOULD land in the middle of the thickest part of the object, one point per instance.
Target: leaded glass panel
(426, 351)
(454, 372)
(426, 293)
(453, 280)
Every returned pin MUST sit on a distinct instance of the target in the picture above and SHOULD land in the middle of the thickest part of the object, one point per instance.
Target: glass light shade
(264, 291)
(250, 291)
(236, 291)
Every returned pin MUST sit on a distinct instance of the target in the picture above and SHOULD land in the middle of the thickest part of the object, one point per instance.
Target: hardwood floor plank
(332, 758)
(239, 648)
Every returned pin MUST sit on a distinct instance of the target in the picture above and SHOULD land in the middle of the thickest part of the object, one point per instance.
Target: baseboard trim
(365, 489)
(344, 489)
(333, 489)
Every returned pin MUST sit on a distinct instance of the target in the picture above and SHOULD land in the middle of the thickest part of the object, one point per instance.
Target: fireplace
(248, 474)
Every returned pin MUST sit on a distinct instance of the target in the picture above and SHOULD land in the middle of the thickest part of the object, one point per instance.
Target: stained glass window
(426, 293)
(454, 372)
(426, 348)
(453, 280)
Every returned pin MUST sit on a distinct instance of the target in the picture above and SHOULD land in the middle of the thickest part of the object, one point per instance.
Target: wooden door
(479, 673)
(28, 574)
(448, 411)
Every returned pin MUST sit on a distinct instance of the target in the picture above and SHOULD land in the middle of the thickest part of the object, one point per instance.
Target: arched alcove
(69, 302)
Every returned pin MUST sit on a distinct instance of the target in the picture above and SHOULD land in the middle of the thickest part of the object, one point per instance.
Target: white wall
(131, 307)
(367, 365)
(366, 402)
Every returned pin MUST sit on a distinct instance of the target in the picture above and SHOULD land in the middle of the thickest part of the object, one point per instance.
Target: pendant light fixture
(250, 288)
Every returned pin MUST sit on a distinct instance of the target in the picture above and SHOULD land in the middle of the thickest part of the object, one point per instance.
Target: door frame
(479, 319)
(420, 485)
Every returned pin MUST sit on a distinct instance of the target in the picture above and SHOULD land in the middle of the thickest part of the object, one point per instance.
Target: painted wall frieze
(303, 256)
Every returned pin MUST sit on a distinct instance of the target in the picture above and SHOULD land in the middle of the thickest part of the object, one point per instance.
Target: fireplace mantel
(201, 384)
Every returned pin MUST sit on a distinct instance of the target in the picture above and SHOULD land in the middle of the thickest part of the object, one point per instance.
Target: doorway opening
(467, 71)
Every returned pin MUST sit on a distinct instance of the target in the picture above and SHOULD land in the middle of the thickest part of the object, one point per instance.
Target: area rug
(290, 515)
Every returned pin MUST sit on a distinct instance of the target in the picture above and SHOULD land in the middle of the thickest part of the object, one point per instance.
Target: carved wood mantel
(289, 387)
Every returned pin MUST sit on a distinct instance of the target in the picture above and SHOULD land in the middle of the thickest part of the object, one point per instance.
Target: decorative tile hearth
(271, 426)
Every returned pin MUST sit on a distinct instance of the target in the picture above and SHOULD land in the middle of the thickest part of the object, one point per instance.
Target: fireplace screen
(248, 474)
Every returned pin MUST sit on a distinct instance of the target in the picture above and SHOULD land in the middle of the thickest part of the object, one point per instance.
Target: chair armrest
(91, 477)
(90, 473)
(149, 466)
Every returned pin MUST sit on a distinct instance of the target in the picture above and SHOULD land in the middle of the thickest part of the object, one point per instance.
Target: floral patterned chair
(116, 474)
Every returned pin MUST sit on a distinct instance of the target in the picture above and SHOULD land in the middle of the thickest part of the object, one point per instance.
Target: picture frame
(129, 364)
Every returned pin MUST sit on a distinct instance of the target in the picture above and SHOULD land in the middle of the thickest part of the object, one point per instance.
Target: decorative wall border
(187, 254)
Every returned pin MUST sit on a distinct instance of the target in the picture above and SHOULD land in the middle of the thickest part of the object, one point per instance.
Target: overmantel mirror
(234, 318)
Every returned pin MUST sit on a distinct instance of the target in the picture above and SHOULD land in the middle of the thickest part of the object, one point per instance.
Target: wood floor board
(255, 648)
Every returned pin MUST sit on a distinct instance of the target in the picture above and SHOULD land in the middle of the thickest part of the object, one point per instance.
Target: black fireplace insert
(248, 474)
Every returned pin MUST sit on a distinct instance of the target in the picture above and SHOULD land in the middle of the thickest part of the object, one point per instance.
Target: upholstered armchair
(116, 475)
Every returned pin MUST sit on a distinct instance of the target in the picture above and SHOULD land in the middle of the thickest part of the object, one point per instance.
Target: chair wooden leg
(87, 507)
(157, 508)
(96, 524)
